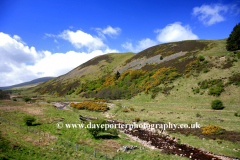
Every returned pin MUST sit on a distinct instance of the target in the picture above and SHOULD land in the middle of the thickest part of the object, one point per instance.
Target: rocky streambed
(168, 144)
(165, 143)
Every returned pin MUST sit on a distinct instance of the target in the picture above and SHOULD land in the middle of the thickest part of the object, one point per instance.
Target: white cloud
(55, 41)
(14, 57)
(60, 63)
(210, 14)
(18, 74)
(19, 39)
(111, 32)
(20, 63)
(49, 35)
(16, 37)
(81, 39)
(16, 52)
(141, 45)
(175, 32)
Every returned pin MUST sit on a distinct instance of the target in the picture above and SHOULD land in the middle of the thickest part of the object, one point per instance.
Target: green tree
(233, 41)
(217, 104)
(161, 58)
(117, 75)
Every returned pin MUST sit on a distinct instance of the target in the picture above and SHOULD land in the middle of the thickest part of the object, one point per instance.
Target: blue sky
(49, 37)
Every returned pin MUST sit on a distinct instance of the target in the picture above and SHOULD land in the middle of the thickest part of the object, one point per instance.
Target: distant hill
(35, 81)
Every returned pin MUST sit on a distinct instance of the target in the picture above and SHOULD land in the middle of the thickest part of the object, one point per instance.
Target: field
(27, 146)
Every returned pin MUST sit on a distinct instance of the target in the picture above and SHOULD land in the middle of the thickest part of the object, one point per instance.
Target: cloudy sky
(40, 38)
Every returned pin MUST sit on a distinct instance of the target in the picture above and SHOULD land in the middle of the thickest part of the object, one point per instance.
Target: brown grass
(170, 48)
(51, 119)
(96, 60)
(33, 111)
(109, 146)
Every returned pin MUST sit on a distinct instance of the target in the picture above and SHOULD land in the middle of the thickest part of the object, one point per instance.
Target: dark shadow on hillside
(36, 124)
(107, 136)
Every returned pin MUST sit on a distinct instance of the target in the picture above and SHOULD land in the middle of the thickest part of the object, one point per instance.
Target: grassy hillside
(25, 144)
(145, 71)
(91, 70)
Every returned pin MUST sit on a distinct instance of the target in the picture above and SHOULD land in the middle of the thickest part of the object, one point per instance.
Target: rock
(127, 148)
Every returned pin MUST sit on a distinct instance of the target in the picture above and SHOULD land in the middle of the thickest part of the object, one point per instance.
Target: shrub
(70, 91)
(95, 128)
(216, 90)
(14, 99)
(29, 120)
(125, 110)
(205, 70)
(198, 115)
(137, 119)
(26, 99)
(72, 105)
(92, 106)
(217, 105)
(235, 79)
(201, 58)
(131, 109)
(196, 90)
(219, 141)
(155, 91)
(33, 100)
(179, 142)
(238, 55)
(234, 60)
(161, 58)
(212, 130)
(136, 74)
(206, 61)
(204, 85)
(236, 114)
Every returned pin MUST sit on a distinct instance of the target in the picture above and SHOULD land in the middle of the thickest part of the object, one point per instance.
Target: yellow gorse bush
(212, 130)
(90, 106)
(125, 110)
(100, 100)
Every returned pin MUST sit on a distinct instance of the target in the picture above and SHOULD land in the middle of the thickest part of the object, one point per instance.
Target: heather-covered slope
(124, 75)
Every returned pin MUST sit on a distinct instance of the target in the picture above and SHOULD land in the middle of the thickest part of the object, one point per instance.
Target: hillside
(32, 83)
(178, 88)
(143, 72)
